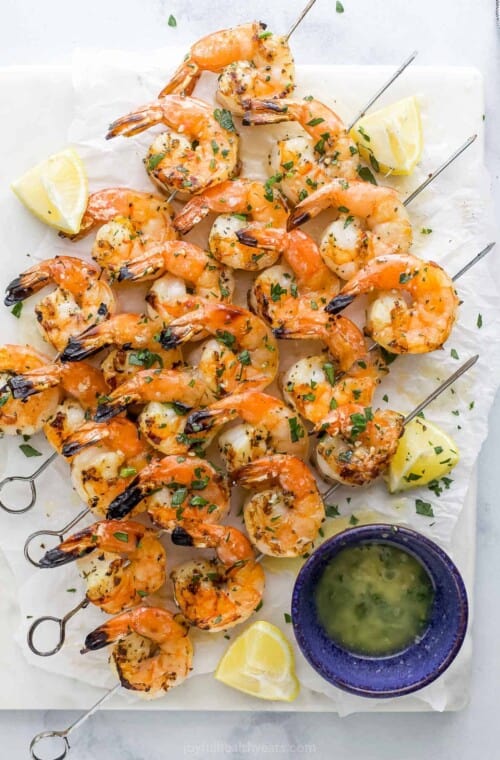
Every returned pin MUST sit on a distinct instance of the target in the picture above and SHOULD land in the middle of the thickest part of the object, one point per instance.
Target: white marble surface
(382, 31)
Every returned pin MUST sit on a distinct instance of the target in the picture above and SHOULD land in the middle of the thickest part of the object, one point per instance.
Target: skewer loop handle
(61, 624)
(25, 479)
(57, 533)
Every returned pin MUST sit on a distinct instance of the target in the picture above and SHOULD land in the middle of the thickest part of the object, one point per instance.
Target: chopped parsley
(29, 451)
(172, 21)
(424, 508)
(17, 309)
(296, 429)
(366, 175)
(225, 119)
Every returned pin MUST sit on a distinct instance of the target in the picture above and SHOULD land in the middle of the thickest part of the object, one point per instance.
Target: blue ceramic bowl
(395, 674)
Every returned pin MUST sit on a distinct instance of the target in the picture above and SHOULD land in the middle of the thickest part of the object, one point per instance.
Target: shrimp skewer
(283, 519)
(371, 221)
(303, 163)
(152, 652)
(81, 298)
(129, 224)
(218, 594)
(250, 61)
(176, 489)
(236, 202)
(269, 426)
(198, 152)
(345, 430)
(419, 327)
(243, 349)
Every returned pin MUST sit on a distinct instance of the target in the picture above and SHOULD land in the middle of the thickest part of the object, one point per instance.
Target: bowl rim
(373, 531)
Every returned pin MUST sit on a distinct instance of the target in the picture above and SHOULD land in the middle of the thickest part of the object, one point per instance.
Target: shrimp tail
(203, 419)
(171, 337)
(25, 285)
(297, 217)
(124, 503)
(73, 548)
(135, 122)
(268, 238)
(110, 409)
(97, 639)
(180, 537)
(86, 344)
(23, 386)
(264, 112)
(147, 267)
(339, 303)
(193, 212)
(253, 473)
(184, 79)
(87, 435)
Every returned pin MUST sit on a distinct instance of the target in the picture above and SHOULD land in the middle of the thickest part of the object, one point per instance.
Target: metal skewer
(25, 479)
(384, 87)
(425, 403)
(61, 624)
(57, 533)
(300, 19)
(64, 735)
(440, 169)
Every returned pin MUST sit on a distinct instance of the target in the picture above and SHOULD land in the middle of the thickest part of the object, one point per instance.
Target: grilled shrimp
(305, 162)
(177, 489)
(28, 415)
(168, 396)
(251, 63)
(359, 443)
(217, 594)
(127, 562)
(81, 298)
(153, 652)
(236, 203)
(187, 275)
(105, 458)
(371, 221)
(129, 224)
(278, 293)
(243, 349)
(313, 386)
(81, 384)
(201, 150)
(284, 517)
(130, 331)
(343, 338)
(417, 327)
(269, 426)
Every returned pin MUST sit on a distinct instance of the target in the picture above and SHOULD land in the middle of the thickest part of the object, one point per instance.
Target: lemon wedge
(425, 453)
(391, 139)
(260, 662)
(56, 190)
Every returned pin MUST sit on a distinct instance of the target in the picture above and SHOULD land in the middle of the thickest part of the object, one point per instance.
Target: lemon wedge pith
(260, 662)
(391, 138)
(56, 190)
(425, 453)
